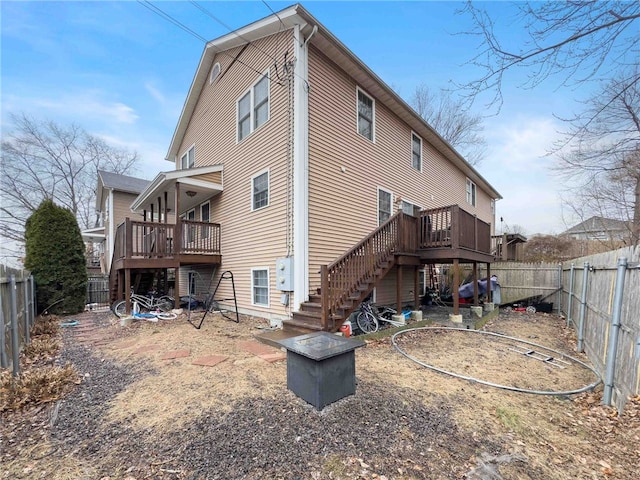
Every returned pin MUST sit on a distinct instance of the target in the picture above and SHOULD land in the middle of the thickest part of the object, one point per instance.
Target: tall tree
(45, 160)
(600, 155)
(452, 120)
(574, 41)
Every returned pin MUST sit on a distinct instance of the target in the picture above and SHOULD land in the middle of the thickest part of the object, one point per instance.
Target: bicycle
(369, 317)
(148, 302)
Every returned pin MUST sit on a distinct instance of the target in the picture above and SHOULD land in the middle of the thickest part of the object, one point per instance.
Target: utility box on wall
(284, 274)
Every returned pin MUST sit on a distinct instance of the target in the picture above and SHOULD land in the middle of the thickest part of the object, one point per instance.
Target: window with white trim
(188, 160)
(416, 152)
(260, 286)
(366, 115)
(253, 107)
(410, 208)
(385, 205)
(204, 217)
(471, 193)
(191, 229)
(260, 190)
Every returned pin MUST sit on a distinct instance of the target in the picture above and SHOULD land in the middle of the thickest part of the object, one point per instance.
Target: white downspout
(300, 171)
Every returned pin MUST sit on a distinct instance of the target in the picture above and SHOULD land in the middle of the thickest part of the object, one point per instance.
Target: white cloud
(155, 93)
(87, 105)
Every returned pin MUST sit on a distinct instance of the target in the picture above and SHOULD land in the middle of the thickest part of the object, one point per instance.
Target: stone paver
(146, 348)
(209, 360)
(120, 346)
(176, 354)
(267, 353)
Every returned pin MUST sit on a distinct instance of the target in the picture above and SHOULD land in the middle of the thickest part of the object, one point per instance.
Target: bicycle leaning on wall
(150, 302)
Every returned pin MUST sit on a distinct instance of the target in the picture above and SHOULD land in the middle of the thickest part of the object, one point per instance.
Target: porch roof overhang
(93, 234)
(195, 187)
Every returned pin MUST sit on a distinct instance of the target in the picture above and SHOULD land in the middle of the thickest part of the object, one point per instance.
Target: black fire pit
(321, 367)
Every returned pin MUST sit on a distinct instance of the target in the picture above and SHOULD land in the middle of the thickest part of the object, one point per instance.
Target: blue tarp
(466, 290)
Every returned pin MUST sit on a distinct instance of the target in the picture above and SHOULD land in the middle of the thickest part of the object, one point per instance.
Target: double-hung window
(188, 160)
(384, 206)
(253, 107)
(204, 217)
(260, 286)
(366, 115)
(410, 208)
(260, 191)
(416, 152)
(471, 193)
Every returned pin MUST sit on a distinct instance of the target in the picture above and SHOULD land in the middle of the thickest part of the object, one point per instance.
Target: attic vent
(215, 73)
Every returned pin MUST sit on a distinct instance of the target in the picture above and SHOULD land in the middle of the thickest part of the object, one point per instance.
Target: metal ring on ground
(591, 386)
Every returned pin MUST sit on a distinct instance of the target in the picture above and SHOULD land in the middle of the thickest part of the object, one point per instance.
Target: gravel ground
(379, 430)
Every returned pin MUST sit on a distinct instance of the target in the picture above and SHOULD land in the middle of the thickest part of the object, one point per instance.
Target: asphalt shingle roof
(122, 183)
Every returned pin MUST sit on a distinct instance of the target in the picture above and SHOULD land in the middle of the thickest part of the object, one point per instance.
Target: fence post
(25, 311)
(612, 347)
(34, 300)
(15, 337)
(571, 277)
(559, 288)
(4, 361)
(583, 307)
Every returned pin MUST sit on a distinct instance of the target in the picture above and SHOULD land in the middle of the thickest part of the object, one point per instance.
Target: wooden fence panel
(519, 281)
(598, 309)
(20, 291)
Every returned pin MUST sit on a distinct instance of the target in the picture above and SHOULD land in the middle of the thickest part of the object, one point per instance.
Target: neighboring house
(508, 247)
(599, 228)
(114, 195)
(306, 176)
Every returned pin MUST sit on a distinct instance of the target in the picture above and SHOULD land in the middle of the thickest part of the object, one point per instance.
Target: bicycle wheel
(165, 303)
(119, 308)
(367, 322)
(166, 316)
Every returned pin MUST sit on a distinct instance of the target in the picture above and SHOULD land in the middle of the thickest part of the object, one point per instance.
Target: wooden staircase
(351, 278)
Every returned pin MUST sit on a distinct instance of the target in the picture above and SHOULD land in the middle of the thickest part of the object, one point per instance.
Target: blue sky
(122, 73)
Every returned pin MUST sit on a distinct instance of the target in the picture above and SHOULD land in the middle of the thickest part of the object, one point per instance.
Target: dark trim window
(471, 193)
(416, 152)
(253, 108)
(188, 160)
(204, 217)
(385, 204)
(260, 286)
(366, 115)
(260, 191)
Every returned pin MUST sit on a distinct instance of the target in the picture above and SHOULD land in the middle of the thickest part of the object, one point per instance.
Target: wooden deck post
(489, 284)
(399, 289)
(127, 289)
(324, 295)
(416, 286)
(456, 286)
(475, 284)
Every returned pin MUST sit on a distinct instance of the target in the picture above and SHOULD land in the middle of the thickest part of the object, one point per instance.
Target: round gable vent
(215, 73)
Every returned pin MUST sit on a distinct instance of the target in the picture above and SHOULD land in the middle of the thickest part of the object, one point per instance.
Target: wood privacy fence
(17, 314)
(601, 300)
(519, 281)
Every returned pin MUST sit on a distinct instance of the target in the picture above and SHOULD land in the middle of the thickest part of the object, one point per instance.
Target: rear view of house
(300, 171)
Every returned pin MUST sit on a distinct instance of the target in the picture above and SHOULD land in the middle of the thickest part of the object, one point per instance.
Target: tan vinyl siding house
(324, 177)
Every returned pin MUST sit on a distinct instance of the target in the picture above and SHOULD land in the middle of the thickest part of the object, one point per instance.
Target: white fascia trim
(112, 230)
(300, 172)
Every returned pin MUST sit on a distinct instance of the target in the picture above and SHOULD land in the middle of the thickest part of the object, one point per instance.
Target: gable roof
(598, 224)
(117, 182)
(333, 48)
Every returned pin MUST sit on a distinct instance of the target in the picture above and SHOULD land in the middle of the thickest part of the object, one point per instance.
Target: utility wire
(272, 11)
(232, 31)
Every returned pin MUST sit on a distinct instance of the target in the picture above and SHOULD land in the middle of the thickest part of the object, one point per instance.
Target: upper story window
(366, 115)
(260, 191)
(410, 208)
(188, 160)
(215, 73)
(253, 107)
(471, 193)
(416, 152)
(385, 203)
(205, 218)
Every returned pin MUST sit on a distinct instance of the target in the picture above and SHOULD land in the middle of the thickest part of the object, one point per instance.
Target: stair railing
(340, 281)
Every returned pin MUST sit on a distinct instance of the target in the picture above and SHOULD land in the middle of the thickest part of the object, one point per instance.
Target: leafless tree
(600, 155)
(452, 120)
(45, 160)
(575, 41)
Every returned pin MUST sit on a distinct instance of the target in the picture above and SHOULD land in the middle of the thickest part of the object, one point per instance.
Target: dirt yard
(142, 409)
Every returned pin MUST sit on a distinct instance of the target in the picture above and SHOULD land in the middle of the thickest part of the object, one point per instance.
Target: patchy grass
(509, 419)
(35, 386)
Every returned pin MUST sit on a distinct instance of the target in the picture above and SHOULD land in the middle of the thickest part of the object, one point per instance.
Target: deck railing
(341, 279)
(136, 239)
(452, 227)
